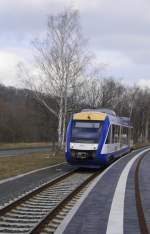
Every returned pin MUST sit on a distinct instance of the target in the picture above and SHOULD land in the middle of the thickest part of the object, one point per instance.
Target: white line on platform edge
(61, 228)
(28, 173)
(116, 215)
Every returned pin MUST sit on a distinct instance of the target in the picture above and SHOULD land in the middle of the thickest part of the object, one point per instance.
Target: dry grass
(22, 145)
(15, 165)
(140, 145)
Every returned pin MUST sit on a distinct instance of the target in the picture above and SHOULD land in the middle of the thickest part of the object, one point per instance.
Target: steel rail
(34, 192)
(52, 214)
(26, 214)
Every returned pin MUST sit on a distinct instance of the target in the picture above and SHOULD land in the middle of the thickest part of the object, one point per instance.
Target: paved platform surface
(119, 202)
(19, 186)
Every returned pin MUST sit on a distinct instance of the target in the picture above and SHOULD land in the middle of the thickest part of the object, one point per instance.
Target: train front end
(85, 137)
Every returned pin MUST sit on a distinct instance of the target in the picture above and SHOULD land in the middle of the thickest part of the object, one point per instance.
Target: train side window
(113, 133)
(117, 134)
(108, 136)
(124, 136)
(121, 137)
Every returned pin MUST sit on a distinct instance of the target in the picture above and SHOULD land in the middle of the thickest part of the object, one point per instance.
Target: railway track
(43, 209)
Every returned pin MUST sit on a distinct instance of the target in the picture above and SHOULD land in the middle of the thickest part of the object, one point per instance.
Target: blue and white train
(96, 137)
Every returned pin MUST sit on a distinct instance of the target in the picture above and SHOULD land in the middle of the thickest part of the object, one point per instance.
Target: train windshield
(86, 131)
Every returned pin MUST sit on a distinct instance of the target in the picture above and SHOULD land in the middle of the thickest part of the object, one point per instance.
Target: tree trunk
(60, 122)
(64, 119)
(65, 110)
(146, 131)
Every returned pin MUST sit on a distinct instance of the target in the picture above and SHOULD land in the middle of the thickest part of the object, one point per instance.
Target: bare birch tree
(61, 61)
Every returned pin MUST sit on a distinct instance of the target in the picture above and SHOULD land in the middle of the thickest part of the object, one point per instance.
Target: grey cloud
(27, 15)
(136, 47)
(119, 26)
(23, 20)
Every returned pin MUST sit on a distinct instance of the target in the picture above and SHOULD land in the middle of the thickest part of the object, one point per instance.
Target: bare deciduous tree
(60, 61)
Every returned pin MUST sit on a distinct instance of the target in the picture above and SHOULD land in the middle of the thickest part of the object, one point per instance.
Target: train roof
(98, 115)
(101, 110)
(125, 121)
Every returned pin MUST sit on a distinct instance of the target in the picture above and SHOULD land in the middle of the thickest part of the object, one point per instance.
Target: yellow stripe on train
(89, 116)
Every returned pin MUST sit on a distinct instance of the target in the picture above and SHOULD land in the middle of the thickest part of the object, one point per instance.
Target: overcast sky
(118, 33)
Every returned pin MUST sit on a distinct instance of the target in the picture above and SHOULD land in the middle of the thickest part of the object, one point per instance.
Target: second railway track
(46, 205)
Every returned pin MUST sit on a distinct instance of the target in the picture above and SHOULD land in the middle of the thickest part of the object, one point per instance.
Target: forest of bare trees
(24, 119)
(67, 81)
(61, 62)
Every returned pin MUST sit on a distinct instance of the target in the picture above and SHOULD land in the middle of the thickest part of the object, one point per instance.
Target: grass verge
(140, 145)
(23, 145)
(12, 166)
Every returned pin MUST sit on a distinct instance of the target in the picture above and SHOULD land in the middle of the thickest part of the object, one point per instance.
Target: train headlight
(71, 146)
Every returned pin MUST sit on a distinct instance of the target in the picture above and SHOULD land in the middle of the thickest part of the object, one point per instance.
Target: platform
(118, 202)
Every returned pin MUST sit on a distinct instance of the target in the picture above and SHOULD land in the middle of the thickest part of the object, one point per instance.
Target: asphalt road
(25, 151)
